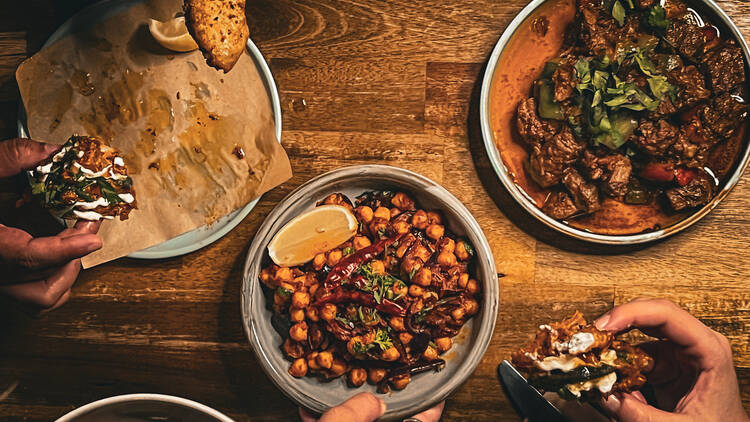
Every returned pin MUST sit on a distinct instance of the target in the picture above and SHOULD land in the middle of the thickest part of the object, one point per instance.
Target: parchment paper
(198, 143)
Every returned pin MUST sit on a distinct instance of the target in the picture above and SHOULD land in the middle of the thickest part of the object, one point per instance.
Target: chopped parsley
(348, 251)
(657, 18)
(383, 340)
(285, 293)
(378, 284)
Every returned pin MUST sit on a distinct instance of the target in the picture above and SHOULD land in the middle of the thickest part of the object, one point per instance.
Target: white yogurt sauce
(577, 344)
(604, 384)
(91, 215)
(119, 162)
(90, 173)
(127, 198)
(101, 202)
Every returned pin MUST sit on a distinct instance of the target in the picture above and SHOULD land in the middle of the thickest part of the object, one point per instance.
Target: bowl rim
(87, 408)
(521, 197)
(486, 265)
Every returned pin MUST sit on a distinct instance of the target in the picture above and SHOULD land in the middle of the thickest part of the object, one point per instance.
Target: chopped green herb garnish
(618, 13)
(285, 293)
(383, 340)
(348, 251)
(657, 18)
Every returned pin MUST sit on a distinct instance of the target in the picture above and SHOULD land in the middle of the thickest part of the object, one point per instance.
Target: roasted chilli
(577, 361)
(639, 106)
(384, 305)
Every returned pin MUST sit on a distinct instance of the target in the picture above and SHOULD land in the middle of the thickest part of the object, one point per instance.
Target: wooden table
(361, 82)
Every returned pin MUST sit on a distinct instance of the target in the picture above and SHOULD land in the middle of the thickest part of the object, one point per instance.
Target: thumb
(364, 407)
(628, 408)
(20, 154)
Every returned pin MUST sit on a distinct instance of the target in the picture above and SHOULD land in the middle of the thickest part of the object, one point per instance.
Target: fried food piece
(220, 29)
(84, 180)
(578, 361)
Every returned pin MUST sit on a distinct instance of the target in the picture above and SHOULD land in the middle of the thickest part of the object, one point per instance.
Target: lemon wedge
(318, 230)
(172, 34)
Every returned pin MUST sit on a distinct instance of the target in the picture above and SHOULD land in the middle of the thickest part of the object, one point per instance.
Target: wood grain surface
(393, 82)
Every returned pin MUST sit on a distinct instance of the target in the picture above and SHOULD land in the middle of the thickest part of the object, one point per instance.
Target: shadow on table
(508, 205)
(255, 395)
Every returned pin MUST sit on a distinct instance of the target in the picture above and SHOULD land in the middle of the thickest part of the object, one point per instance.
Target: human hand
(40, 271)
(693, 377)
(365, 407)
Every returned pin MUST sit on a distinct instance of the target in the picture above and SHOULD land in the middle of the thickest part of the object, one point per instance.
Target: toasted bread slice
(220, 29)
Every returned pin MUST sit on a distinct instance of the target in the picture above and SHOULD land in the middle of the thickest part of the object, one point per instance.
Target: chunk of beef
(599, 33)
(696, 130)
(691, 84)
(686, 152)
(724, 66)
(698, 192)
(548, 160)
(558, 205)
(585, 194)
(655, 138)
(674, 8)
(565, 80)
(613, 170)
(645, 4)
(533, 129)
(723, 115)
(685, 36)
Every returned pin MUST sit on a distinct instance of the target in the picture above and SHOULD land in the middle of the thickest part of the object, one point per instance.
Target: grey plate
(143, 408)
(706, 8)
(425, 390)
(205, 235)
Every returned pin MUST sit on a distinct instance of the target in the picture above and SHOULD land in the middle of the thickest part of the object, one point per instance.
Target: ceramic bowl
(425, 390)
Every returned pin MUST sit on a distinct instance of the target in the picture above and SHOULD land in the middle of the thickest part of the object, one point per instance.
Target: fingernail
(602, 321)
(382, 406)
(611, 404)
(94, 246)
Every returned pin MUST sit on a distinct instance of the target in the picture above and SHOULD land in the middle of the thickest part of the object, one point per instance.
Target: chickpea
(458, 314)
(298, 331)
(415, 291)
(357, 377)
(397, 323)
(298, 368)
(411, 263)
(429, 295)
(399, 288)
(405, 338)
(266, 276)
(401, 227)
(430, 354)
(312, 362)
(447, 259)
(299, 282)
(297, 314)
(279, 300)
(471, 307)
(355, 345)
(383, 212)
(463, 280)
(434, 217)
(292, 349)
(402, 201)
(364, 214)
(361, 242)
(443, 344)
(472, 286)
(369, 337)
(400, 382)
(324, 359)
(336, 199)
(421, 252)
(377, 266)
(312, 313)
(419, 220)
(448, 245)
(423, 277)
(462, 252)
(334, 257)
(313, 289)
(319, 261)
(395, 213)
(284, 274)
(375, 375)
(377, 226)
(390, 354)
(338, 368)
(435, 231)
(328, 312)
(300, 300)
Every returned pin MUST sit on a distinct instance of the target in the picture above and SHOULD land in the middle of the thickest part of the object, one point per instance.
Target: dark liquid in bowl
(539, 39)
